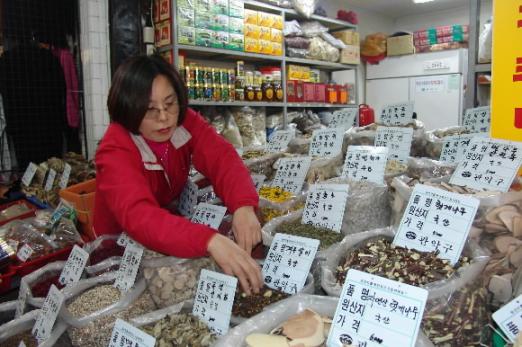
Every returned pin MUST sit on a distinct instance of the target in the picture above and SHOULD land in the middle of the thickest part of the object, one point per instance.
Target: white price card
(377, 312)
(288, 262)
(325, 205)
(214, 299)
(437, 220)
(509, 318)
(50, 180)
(124, 334)
(22, 344)
(22, 299)
(454, 147)
(209, 215)
(397, 139)
(123, 240)
(291, 173)
(63, 209)
(326, 142)
(258, 180)
(188, 199)
(25, 252)
(64, 180)
(129, 266)
(489, 164)
(28, 176)
(477, 120)
(344, 118)
(44, 322)
(279, 140)
(74, 266)
(397, 114)
(365, 163)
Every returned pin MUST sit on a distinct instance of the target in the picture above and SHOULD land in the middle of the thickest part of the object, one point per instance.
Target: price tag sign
(214, 299)
(25, 252)
(22, 299)
(398, 140)
(325, 206)
(50, 180)
(44, 322)
(291, 173)
(258, 181)
(437, 220)
(188, 199)
(345, 118)
(375, 311)
(124, 334)
(397, 114)
(288, 262)
(28, 176)
(63, 209)
(365, 163)
(477, 120)
(129, 267)
(454, 147)
(22, 344)
(326, 142)
(209, 215)
(509, 318)
(279, 140)
(73, 269)
(489, 164)
(64, 180)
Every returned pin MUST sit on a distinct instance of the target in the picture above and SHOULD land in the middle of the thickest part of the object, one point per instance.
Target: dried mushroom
(250, 305)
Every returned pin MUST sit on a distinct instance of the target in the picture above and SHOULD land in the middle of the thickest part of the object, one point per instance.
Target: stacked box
(441, 38)
(236, 9)
(186, 22)
(266, 28)
(298, 73)
(350, 55)
(163, 26)
(348, 37)
(236, 39)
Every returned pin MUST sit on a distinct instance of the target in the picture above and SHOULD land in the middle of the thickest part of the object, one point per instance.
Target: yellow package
(265, 19)
(265, 47)
(251, 17)
(252, 31)
(277, 22)
(277, 48)
(251, 45)
(265, 33)
(299, 73)
(276, 36)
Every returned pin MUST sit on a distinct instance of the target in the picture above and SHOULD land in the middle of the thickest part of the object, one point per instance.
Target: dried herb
(26, 337)
(327, 237)
(275, 194)
(250, 305)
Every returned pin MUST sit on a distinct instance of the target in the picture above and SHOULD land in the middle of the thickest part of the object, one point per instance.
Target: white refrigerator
(434, 82)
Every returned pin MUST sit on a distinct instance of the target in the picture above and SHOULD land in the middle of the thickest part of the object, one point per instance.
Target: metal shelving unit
(235, 103)
(318, 105)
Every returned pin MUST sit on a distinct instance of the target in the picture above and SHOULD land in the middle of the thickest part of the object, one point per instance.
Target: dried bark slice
(503, 243)
(515, 258)
(495, 228)
(507, 218)
(501, 287)
(262, 340)
(493, 215)
(517, 227)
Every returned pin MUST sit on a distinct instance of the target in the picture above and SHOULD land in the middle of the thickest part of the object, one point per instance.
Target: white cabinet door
(387, 91)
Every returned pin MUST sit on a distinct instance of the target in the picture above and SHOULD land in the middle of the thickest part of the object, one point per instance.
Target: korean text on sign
(489, 164)
(477, 120)
(397, 114)
(375, 311)
(288, 262)
(126, 335)
(454, 147)
(214, 299)
(129, 266)
(325, 205)
(345, 118)
(279, 140)
(509, 318)
(326, 142)
(209, 215)
(397, 139)
(291, 173)
(437, 220)
(188, 199)
(365, 163)
(44, 322)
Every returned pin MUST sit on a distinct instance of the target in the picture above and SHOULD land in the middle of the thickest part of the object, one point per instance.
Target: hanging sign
(344, 118)
(477, 120)
(279, 140)
(365, 163)
(325, 205)
(188, 199)
(326, 142)
(209, 215)
(126, 335)
(73, 269)
(44, 322)
(509, 318)
(397, 114)
(291, 173)
(29, 173)
(398, 140)
(129, 266)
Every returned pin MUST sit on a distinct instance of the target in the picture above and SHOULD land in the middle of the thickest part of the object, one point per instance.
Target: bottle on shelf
(258, 81)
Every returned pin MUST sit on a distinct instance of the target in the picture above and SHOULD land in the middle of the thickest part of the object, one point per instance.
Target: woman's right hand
(235, 261)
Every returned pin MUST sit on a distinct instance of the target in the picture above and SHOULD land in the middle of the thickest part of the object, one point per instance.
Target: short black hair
(131, 87)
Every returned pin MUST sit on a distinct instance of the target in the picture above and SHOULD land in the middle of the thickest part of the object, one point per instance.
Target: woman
(143, 163)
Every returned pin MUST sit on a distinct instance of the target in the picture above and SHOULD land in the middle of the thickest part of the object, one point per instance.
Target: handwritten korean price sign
(509, 318)
(437, 220)
(325, 206)
(279, 140)
(129, 267)
(477, 120)
(375, 311)
(188, 199)
(397, 114)
(288, 262)
(344, 118)
(29, 173)
(44, 322)
(365, 163)
(397, 139)
(73, 269)
(209, 215)
(454, 147)
(124, 334)
(291, 173)
(50, 180)
(489, 164)
(326, 142)
(214, 299)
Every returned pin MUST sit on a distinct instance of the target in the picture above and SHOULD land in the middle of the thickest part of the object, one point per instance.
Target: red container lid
(267, 70)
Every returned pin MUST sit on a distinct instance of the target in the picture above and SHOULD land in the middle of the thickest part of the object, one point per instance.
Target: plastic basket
(26, 268)
(81, 196)
(32, 209)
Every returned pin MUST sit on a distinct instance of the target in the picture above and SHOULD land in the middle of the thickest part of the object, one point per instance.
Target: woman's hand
(246, 228)
(235, 261)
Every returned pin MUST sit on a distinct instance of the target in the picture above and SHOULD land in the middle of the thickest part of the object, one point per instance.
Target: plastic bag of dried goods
(299, 145)
(297, 42)
(333, 41)
(20, 233)
(312, 28)
(297, 52)
(35, 286)
(259, 122)
(103, 247)
(435, 140)
(425, 169)
(172, 280)
(305, 7)
(485, 42)
(7, 311)
(264, 165)
(321, 50)
(231, 132)
(292, 28)
(270, 209)
(322, 169)
(247, 120)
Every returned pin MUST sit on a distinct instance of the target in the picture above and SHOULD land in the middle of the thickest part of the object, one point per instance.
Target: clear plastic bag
(270, 210)
(20, 233)
(108, 265)
(36, 285)
(322, 169)
(322, 50)
(485, 43)
(247, 119)
(231, 132)
(299, 145)
(297, 42)
(313, 28)
(264, 165)
(292, 28)
(425, 169)
(7, 311)
(297, 53)
(103, 247)
(259, 123)
(435, 140)
(305, 8)
(333, 41)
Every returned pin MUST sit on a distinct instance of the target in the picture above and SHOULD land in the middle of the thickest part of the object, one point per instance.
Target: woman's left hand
(246, 228)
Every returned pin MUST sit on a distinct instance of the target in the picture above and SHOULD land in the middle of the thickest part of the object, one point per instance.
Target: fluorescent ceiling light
(421, 1)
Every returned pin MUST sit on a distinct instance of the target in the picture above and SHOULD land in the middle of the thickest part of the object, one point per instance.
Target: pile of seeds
(380, 257)
(327, 237)
(26, 337)
(250, 305)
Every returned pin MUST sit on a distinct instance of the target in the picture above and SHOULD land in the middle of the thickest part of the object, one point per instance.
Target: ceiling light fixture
(421, 1)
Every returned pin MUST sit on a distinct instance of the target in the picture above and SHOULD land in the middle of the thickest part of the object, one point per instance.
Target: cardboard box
(204, 37)
(350, 55)
(265, 19)
(276, 36)
(164, 10)
(220, 39)
(349, 37)
(203, 6)
(251, 17)
(186, 35)
(220, 7)
(219, 22)
(278, 22)
(203, 20)
(186, 17)
(235, 25)
(252, 31)
(298, 73)
(165, 33)
(294, 91)
(277, 48)
(251, 45)
(265, 33)
(309, 92)
(400, 45)
(320, 92)
(236, 42)
(155, 10)
(236, 8)
(265, 47)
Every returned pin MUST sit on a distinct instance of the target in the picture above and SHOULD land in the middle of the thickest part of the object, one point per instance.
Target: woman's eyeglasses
(154, 113)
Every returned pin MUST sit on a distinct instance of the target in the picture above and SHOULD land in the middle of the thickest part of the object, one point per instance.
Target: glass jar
(278, 87)
(268, 88)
